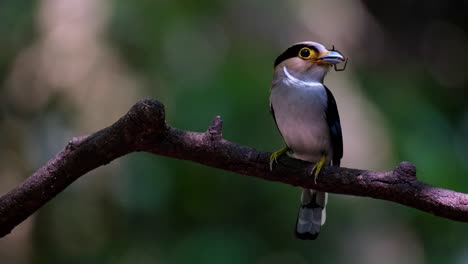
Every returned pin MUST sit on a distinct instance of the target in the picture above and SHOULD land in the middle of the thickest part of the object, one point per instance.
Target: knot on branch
(146, 117)
(215, 130)
(75, 142)
(406, 169)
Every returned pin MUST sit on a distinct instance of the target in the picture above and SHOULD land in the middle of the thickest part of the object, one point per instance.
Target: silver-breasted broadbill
(306, 115)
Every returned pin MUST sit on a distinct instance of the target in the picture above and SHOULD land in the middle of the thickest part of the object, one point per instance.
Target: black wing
(272, 111)
(333, 120)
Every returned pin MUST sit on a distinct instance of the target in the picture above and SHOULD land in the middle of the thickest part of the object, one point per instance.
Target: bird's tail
(312, 214)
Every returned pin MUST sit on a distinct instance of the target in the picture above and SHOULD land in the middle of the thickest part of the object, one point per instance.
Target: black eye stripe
(292, 52)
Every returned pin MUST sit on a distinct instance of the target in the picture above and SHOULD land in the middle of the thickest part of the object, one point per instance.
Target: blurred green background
(70, 68)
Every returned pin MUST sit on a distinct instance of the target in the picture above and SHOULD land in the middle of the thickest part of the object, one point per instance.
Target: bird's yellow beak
(331, 57)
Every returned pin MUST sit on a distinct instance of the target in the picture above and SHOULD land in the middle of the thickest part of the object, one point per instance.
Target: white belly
(300, 115)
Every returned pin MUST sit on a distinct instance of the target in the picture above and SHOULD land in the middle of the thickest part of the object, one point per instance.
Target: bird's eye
(305, 53)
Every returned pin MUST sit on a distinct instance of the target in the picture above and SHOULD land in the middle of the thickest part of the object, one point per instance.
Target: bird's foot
(318, 167)
(275, 155)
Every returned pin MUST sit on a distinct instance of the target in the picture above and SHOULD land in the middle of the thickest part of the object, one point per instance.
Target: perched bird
(306, 115)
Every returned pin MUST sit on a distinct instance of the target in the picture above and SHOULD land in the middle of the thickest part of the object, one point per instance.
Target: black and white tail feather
(312, 214)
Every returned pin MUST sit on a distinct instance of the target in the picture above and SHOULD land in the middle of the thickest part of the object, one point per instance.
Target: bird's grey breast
(300, 113)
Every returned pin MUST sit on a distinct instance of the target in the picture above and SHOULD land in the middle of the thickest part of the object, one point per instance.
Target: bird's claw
(275, 155)
(318, 167)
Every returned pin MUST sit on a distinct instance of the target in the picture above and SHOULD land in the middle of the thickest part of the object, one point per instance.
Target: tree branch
(144, 128)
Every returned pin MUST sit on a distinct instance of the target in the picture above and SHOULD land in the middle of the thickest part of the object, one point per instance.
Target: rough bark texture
(144, 128)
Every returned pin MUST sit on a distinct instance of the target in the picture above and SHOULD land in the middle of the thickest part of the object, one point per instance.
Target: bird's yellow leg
(318, 167)
(275, 155)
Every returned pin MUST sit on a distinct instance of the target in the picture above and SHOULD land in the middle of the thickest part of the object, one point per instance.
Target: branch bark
(144, 128)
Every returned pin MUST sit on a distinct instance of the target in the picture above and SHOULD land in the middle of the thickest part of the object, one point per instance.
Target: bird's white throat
(298, 82)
